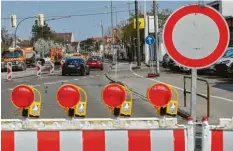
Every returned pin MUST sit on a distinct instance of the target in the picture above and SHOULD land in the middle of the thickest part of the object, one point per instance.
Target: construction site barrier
(132, 134)
(52, 68)
(106, 134)
(217, 137)
(9, 71)
(207, 97)
(38, 69)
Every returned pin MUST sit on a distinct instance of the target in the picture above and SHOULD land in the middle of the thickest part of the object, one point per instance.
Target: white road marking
(76, 79)
(84, 77)
(213, 96)
(20, 80)
(62, 81)
(97, 75)
(92, 76)
(37, 85)
(47, 83)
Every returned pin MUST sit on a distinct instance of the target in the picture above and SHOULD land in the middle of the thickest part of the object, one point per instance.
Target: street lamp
(18, 26)
(115, 11)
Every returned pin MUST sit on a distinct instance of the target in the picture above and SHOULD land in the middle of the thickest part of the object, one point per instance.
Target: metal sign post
(150, 40)
(193, 94)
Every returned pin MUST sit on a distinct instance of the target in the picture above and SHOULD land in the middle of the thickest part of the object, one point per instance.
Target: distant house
(225, 8)
(66, 37)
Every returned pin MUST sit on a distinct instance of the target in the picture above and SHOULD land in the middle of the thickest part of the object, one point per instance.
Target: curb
(180, 113)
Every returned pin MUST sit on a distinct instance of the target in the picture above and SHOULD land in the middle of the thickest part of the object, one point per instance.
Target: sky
(82, 26)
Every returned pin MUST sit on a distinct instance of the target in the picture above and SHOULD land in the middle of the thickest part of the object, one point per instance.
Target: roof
(66, 36)
(213, 3)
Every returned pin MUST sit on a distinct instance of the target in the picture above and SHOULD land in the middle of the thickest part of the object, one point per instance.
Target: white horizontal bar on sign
(75, 124)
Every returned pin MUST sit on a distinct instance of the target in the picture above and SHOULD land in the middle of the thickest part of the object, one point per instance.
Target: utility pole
(129, 8)
(112, 31)
(156, 38)
(138, 35)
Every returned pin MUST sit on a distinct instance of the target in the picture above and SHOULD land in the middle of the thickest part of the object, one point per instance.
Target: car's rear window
(73, 61)
(94, 59)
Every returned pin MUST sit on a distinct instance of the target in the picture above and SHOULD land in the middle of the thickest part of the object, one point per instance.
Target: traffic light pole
(18, 26)
(138, 35)
(156, 37)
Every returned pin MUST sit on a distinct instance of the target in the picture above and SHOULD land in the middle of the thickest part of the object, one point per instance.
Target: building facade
(226, 9)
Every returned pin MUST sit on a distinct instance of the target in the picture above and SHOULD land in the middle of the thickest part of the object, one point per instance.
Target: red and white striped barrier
(52, 68)
(95, 140)
(38, 68)
(95, 135)
(217, 137)
(9, 71)
(62, 63)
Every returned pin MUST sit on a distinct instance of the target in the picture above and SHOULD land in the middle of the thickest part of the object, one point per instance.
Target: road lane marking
(92, 76)
(48, 83)
(37, 85)
(213, 96)
(76, 79)
(84, 77)
(97, 75)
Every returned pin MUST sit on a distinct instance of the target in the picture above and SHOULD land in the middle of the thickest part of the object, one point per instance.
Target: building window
(216, 6)
(231, 37)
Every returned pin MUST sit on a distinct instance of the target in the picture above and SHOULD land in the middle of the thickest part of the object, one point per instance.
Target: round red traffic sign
(159, 95)
(113, 95)
(68, 96)
(22, 96)
(196, 36)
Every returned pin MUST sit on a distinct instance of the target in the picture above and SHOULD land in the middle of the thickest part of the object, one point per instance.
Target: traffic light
(41, 20)
(13, 21)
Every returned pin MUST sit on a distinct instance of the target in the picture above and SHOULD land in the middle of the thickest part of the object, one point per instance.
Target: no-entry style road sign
(196, 36)
(150, 40)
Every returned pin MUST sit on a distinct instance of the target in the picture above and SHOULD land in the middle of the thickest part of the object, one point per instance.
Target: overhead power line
(68, 16)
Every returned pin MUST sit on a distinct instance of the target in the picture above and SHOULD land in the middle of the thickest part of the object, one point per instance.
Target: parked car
(75, 66)
(95, 62)
(230, 70)
(212, 69)
(223, 65)
(166, 59)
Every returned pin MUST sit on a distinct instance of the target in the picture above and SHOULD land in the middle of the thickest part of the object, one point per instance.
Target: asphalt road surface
(48, 85)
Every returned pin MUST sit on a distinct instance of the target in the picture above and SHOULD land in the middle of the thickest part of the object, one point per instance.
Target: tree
(44, 32)
(7, 38)
(88, 44)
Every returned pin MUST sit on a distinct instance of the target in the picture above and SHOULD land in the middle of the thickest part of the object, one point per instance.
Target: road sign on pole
(150, 40)
(195, 36)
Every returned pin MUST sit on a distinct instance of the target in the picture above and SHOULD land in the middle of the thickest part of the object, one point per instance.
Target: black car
(75, 66)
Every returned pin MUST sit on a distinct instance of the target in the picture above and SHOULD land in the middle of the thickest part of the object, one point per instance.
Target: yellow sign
(35, 107)
(126, 107)
(81, 107)
(172, 106)
(141, 23)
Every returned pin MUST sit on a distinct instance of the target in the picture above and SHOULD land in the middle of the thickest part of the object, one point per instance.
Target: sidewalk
(219, 107)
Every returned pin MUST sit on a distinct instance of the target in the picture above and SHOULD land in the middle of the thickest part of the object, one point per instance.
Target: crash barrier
(217, 137)
(52, 68)
(207, 97)
(131, 134)
(62, 63)
(38, 69)
(9, 71)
